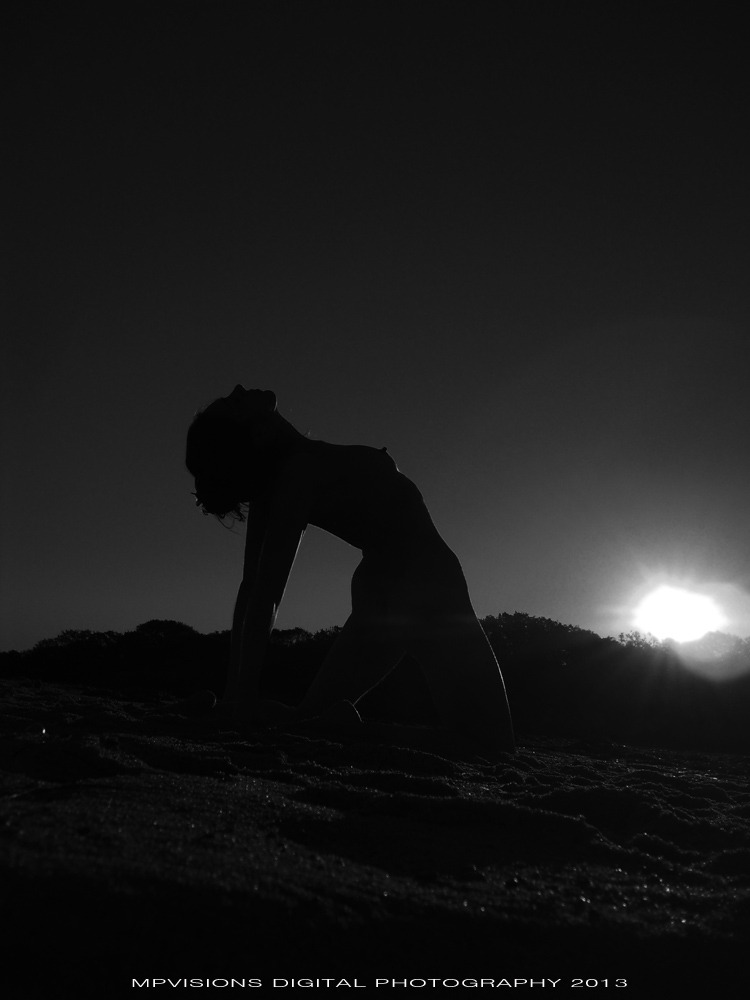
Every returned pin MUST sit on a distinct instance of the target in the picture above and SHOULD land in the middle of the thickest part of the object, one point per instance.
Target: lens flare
(675, 613)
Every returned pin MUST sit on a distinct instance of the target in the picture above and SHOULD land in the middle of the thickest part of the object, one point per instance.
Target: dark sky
(507, 240)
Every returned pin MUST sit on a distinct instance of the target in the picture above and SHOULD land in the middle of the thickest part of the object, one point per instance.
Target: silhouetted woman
(408, 592)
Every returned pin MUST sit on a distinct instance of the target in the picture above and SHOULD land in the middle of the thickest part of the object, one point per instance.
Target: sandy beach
(139, 843)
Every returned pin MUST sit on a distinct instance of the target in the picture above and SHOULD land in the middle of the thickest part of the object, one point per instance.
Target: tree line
(562, 680)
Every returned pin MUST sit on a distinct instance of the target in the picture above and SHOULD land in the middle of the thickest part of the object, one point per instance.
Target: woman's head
(249, 404)
(232, 448)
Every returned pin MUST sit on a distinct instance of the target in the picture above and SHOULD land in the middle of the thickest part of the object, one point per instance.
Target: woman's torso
(358, 494)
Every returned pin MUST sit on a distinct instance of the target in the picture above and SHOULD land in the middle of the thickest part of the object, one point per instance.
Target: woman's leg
(364, 654)
(464, 680)
(366, 650)
(422, 607)
(456, 658)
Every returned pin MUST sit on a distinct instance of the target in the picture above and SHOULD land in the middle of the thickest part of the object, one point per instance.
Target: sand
(139, 843)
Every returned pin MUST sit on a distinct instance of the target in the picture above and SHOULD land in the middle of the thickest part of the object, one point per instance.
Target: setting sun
(675, 613)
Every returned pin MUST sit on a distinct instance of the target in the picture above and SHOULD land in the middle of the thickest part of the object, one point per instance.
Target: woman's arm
(262, 605)
(257, 520)
(269, 561)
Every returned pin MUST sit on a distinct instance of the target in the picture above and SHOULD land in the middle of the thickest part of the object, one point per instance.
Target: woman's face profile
(245, 404)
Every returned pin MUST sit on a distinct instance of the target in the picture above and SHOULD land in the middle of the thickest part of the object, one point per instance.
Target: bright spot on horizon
(675, 613)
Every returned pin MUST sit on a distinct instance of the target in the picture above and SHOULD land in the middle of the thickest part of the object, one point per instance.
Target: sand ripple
(174, 840)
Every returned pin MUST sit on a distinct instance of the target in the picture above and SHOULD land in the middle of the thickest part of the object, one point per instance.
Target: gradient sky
(509, 241)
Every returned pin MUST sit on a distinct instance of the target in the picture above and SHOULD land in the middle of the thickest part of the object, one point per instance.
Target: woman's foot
(341, 715)
(200, 703)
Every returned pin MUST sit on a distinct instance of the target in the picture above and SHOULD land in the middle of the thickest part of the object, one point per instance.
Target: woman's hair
(228, 470)
(215, 445)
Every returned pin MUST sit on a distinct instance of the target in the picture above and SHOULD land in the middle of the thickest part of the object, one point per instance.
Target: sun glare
(674, 613)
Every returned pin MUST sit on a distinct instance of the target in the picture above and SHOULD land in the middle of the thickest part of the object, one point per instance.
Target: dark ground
(139, 843)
